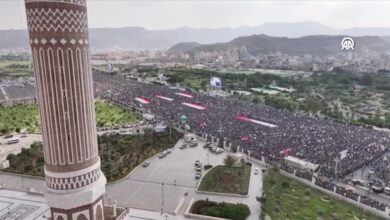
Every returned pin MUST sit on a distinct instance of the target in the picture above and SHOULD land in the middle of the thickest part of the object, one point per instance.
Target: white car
(256, 171)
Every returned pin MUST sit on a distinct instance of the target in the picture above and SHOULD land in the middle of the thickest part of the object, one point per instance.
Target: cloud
(154, 14)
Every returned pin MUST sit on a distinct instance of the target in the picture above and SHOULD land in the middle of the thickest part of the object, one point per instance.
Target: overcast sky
(159, 14)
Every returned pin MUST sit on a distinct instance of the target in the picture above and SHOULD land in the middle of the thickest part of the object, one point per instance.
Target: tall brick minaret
(58, 31)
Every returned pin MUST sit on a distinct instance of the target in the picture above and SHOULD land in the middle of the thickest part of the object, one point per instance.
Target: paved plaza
(164, 183)
(167, 186)
(16, 205)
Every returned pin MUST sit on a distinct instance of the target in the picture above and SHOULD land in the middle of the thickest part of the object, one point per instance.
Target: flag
(285, 152)
(244, 138)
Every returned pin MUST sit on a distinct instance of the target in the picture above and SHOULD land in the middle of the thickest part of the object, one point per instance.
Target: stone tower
(58, 31)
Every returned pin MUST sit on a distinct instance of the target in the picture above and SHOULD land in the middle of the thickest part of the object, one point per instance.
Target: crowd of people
(316, 140)
(319, 141)
(380, 168)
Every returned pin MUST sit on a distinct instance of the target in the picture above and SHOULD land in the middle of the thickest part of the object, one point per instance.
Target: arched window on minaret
(99, 213)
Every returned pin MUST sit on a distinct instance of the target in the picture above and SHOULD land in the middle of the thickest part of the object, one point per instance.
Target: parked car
(198, 175)
(377, 189)
(358, 182)
(169, 151)
(207, 166)
(387, 190)
(182, 146)
(256, 171)
(162, 155)
(13, 141)
(146, 164)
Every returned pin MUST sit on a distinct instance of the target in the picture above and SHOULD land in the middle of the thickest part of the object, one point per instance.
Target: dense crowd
(380, 168)
(316, 140)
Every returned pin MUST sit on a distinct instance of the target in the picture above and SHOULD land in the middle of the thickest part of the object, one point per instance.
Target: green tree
(243, 163)
(229, 162)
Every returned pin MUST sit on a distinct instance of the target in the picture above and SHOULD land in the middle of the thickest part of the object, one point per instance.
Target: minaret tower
(58, 31)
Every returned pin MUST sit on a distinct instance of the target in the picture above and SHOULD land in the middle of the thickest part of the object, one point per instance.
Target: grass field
(25, 116)
(119, 154)
(108, 114)
(223, 180)
(17, 117)
(6, 63)
(285, 198)
(13, 68)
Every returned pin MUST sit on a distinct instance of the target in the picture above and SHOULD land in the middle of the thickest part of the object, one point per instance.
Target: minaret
(58, 31)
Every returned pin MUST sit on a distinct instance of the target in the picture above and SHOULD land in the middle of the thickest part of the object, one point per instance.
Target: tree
(243, 163)
(366, 80)
(229, 162)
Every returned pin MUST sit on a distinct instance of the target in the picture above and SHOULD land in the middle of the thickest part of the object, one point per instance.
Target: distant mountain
(315, 45)
(13, 39)
(387, 39)
(137, 38)
(185, 46)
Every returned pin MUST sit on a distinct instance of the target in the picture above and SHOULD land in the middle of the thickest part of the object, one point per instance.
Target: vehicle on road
(377, 189)
(169, 151)
(13, 141)
(387, 190)
(358, 182)
(198, 175)
(146, 164)
(182, 146)
(256, 171)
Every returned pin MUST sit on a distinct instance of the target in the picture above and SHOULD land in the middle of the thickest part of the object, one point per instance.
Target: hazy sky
(159, 14)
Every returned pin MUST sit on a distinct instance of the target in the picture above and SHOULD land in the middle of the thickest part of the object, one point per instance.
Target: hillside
(315, 45)
(137, 38)
(181, 47)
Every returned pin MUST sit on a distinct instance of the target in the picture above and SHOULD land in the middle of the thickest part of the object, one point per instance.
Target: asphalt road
(162, 184)
(25, 142)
